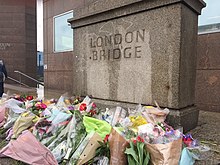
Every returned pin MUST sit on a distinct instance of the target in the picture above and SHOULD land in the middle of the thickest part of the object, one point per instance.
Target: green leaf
(131, 160)
(101, 143)
(134, 147)
(131, 151)
(140, 147)
(146, 157)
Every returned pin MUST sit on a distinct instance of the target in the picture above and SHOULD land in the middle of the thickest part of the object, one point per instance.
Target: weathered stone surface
(185, 117)
(138, 58)
(102, 10)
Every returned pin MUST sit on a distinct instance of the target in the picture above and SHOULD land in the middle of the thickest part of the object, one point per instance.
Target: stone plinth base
(185, 117)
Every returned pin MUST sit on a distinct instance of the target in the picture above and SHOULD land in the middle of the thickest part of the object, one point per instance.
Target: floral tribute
(73, 130)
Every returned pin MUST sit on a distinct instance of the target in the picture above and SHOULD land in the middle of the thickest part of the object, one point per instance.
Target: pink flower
(40, 105)
(93, 105)
(43, 106)
(37, 105)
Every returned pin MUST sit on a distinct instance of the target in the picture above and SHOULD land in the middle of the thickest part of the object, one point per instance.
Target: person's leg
(1, 88)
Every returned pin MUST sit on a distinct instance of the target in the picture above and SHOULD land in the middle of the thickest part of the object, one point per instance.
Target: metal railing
(12, 79)
(29, 77)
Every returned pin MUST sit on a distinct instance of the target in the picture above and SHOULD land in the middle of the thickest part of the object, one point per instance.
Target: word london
(110, 47)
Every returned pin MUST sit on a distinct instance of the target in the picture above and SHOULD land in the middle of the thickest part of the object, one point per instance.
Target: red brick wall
(18, 34)
(58, 74)
(208, 72)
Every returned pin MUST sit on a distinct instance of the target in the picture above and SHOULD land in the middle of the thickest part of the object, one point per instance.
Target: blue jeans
(1, 88)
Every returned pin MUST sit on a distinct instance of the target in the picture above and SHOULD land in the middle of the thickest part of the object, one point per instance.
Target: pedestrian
(3, 75)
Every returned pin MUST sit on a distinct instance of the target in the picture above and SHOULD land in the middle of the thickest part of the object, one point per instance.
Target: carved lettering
(92, 44)
(127, 52)
(139, 35)
(102, 54)
(99, 41)
(129, 37)
(117, 39)
(95, 57)
(137, 51)
(117, 46)
(108, 40)
(116, 53)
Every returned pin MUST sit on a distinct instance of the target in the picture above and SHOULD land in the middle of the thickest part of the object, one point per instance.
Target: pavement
(207, 132)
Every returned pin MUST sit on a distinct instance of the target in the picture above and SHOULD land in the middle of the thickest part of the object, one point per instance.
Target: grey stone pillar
(139, 51)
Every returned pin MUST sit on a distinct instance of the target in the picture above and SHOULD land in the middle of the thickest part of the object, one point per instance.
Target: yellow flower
(137, 121)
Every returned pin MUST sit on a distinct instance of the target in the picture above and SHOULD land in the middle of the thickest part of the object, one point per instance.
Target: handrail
(17, 81)
(25, 75)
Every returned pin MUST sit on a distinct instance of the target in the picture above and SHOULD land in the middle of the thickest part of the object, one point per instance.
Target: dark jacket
(3, 72)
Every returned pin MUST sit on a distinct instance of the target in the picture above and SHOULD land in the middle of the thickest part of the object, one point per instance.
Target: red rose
(82, 107)
(92, 112)
(140, 139)
(135, 141)
(29, 98)
(106, 138)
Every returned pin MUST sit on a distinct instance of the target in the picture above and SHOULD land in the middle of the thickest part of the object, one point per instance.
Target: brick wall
(208, 72)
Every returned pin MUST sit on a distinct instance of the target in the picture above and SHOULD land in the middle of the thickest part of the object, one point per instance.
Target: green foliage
(137, 154)
(103, 150)
(2, 132)
(3, 143)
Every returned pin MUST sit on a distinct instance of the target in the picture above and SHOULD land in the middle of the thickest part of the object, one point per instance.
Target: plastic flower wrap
(76, 155)
(63, 125)
(154, 115)
(114, 116)
(198, 151)
(68, 138)
(36, 106)
(189, 141)
(13, 110)
(24, 121)
(41, 128)
(155, 134)
(86, 107)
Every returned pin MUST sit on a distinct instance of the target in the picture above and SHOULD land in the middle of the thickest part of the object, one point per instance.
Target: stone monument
(139, 51)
